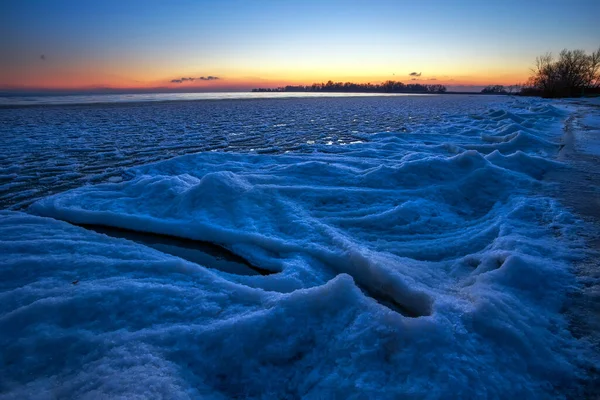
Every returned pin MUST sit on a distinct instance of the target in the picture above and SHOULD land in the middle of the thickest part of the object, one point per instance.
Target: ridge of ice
(469, 265)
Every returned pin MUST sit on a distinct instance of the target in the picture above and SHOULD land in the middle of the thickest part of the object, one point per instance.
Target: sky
(239, 45)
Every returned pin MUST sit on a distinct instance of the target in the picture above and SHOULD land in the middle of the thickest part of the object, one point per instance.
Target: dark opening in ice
(207, 254)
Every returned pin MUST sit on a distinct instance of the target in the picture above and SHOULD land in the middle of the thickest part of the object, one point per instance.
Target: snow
(56, 148)
(96, 99)
(589, 133)
(594, 101)
(422, 264)
(584, 125)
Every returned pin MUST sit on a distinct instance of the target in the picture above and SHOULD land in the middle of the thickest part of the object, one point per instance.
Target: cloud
(181, 80)
(414, 74)
(189, 79)
(43, 57)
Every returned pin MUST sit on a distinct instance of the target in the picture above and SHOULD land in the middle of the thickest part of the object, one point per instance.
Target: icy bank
(426, 266)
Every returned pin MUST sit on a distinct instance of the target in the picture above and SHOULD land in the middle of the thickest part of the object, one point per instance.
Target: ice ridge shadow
(388, 301)
(203, 253)
(213, 256)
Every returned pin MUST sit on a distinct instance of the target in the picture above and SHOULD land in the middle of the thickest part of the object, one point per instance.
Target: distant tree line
(500, 89)
(349, 87)
(574, 73)
(494, 89)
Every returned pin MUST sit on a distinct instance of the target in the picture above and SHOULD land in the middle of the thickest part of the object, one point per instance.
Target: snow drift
(399, 268)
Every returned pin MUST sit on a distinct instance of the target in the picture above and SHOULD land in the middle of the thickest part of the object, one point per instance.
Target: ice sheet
(49, 149)
(402, 268)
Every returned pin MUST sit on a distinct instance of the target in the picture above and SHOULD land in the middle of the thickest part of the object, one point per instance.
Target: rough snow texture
(424, 265)
(49, 149)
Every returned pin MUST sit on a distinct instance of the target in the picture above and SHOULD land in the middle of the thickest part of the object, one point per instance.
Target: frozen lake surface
(51, 148)
(383, 247)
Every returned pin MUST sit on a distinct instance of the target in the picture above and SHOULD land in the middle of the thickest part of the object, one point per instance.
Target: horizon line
(25, 91)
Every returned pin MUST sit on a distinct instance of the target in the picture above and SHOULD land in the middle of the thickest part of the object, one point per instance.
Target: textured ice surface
(29, 100)
(421, 263)
(48, 149)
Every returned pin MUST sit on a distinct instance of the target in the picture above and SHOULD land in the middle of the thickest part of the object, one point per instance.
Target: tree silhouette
(573, 73)
(494, 89)
(350, 87)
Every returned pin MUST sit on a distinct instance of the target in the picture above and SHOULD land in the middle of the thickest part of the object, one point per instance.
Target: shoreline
(579, 191)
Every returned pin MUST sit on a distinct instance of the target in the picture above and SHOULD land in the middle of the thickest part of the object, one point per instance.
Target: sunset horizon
(303, 199)
(69, 46)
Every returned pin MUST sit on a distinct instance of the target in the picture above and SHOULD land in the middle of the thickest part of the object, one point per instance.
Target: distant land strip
(349, 87)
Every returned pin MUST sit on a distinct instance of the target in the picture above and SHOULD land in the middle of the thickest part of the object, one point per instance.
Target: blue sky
(248, 43)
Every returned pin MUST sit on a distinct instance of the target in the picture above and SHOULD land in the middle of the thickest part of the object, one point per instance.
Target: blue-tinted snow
(49, 149)
(424, 262)
(44, 99)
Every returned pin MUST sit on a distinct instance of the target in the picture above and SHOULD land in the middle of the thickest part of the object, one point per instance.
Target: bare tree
(571, 74)
(543, 72)
(593, 76)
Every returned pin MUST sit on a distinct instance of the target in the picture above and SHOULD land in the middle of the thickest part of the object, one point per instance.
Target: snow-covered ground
(427, 260)
(50, 149)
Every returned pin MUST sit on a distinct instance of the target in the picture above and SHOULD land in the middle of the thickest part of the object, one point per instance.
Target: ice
(54, 148)
(140, 323)
(427, 263)
(589, 133)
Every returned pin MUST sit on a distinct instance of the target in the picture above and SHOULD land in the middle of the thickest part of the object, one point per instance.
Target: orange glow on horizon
(91, 81)
(90, 45)
(47, 75)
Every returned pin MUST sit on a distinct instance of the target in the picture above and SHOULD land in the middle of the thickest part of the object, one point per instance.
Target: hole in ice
(472, 261)
(413, 305)
(500, 260)
(418, 309)
(207, 254)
